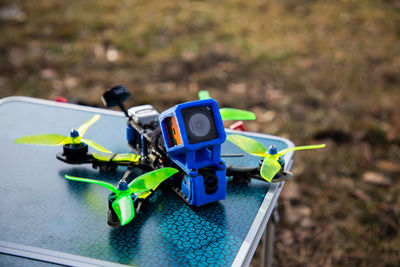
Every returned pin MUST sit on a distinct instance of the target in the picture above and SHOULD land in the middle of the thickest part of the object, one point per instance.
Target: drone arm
(241, 171)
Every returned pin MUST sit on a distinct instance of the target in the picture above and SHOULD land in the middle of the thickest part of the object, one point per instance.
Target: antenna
(116, 96)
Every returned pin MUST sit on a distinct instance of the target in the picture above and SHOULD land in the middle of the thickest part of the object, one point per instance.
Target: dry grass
(311, 70)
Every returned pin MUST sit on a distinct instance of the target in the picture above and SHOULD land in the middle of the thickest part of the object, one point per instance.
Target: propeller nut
(122, 186)
(272, 150)
(74, 133)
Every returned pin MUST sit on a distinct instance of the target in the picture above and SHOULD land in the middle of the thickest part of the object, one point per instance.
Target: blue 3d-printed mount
(193, 133)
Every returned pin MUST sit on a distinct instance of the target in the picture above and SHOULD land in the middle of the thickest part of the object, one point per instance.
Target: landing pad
(46, 219)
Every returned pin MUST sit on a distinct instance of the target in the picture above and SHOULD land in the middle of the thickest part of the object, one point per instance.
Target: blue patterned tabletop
(40, 208)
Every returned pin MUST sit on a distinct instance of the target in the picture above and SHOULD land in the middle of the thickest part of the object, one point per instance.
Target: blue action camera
(193, 133)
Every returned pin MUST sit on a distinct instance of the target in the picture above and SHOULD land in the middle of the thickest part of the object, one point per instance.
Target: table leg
(268, 240)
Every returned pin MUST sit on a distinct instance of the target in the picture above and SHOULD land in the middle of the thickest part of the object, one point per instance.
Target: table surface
(48, 218)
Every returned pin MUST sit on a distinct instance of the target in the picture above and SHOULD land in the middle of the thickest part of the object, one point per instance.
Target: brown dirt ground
(312, 71)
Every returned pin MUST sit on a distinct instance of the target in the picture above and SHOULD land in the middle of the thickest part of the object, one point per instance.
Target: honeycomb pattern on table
(41, 208)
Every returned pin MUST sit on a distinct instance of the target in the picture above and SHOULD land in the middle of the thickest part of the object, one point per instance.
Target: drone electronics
(182, 143)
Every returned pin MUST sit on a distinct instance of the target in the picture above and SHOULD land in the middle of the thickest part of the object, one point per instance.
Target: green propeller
(203, 94)
(230, 113)
(58, 140)
(123, 157)
(270, 166)
(123, 204)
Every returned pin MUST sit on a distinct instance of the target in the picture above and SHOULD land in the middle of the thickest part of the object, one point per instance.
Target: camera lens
(199, 124)
(210, 183)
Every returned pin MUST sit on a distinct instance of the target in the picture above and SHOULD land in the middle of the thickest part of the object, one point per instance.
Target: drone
(179, 148)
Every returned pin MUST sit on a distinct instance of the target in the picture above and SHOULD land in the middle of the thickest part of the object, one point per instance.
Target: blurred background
(312, 71)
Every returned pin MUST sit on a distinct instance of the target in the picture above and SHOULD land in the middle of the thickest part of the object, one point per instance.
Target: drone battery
(144, 114)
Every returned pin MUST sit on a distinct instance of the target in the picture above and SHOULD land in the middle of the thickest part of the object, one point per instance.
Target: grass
(312, 71)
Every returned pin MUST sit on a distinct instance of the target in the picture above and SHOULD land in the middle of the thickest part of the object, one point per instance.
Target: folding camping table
(48, 220)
